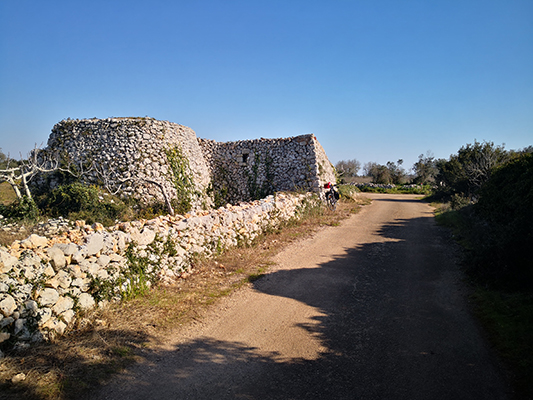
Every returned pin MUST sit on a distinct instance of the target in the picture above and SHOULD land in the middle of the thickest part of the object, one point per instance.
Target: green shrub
(348, 192)
(459, 201)
(78, 201)
(182, 178)
(467, 171)
(21, 209)
(505, 214)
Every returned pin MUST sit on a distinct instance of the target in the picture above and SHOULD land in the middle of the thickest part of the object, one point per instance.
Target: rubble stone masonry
(131, 156)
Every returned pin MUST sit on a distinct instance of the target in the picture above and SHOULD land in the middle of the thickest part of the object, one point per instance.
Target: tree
(379, 173)
(367, 168)
(396, 171)
(6, 161)
(464, 173)
(18, 175)
(348, 168)
(386, 174)
(425, 169)
(3, 159)
(505, 234)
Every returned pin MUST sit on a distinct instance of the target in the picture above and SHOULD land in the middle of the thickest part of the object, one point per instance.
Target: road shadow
(392, 318)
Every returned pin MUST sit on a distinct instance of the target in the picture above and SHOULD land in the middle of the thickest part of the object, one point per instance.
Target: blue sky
(374, 80)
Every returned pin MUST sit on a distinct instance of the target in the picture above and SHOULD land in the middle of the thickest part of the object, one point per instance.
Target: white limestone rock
(48, 297)
(68, 249)
(57, 257)
(4, 336)
(86, 301)
(94, 244)
(38, 241)
(6, 261)
(63, 304)
(7, 305)
(45, 314)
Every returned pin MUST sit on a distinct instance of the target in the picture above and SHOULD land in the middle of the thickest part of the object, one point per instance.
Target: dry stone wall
(251, 169)
(46, 281)
(130, 156)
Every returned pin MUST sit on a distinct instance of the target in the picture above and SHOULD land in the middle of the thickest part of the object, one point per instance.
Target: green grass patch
(123, 351)
(449, 218)
(458, 223)
(406, 189)
(349, 193)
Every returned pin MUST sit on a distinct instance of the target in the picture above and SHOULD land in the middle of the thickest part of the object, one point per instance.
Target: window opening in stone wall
(245, 158)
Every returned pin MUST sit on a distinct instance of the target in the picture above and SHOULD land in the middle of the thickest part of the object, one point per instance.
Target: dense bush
(467, 171)
(348, 192)
(21, 209)
(504, 217)
(78, 201)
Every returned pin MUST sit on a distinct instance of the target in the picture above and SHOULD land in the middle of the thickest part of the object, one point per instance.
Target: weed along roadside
(104, 339)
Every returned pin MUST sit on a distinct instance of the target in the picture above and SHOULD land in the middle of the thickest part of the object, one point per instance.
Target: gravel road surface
(371, 309)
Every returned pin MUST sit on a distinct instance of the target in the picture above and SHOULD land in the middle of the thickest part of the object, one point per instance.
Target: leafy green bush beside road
(497, 233)
(20, 209)
(505, 214)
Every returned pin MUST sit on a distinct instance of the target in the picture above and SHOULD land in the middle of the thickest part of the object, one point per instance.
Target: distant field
(7, 195)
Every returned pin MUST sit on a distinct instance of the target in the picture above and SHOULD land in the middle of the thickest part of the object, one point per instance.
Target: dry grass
(108, 340)
(7, 194)
(6, 238)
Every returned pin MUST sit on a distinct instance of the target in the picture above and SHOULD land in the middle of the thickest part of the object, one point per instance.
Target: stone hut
(151, 159)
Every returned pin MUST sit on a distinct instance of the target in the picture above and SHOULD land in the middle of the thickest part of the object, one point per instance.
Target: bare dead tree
(114, 183)
(109, 179)
(43, 161)
(479, 160)
(479, 169)
(20, 176)
(164, 193)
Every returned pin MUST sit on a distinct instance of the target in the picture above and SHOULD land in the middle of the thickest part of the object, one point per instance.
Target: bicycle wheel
(331, 201)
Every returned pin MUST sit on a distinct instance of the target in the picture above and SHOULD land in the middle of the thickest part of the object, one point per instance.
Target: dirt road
(371, 309)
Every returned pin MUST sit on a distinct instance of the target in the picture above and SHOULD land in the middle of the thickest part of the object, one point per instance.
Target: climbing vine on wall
(222, 189)
(256, 188)
(182, 179)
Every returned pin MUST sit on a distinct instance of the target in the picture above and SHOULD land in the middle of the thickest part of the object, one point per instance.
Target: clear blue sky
(374, 80)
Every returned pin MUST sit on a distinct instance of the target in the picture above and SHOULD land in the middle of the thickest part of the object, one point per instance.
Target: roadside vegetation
(486, 199)
(395, 189)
